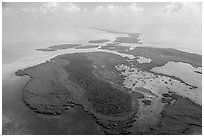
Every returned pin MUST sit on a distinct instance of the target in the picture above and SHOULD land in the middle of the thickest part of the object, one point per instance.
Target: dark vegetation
(105, 99)
(161, 56)
(46, 49)
(198, 72)
(147, 102)
(60, 46)
(44, 93)
(99, 41)
(179, 117)
(132, 38)
(115, 47)
(64, 46)
(87, 47)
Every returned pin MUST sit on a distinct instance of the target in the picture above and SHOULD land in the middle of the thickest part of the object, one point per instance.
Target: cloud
(134, 8)
(7, 11)
(179, 9)
(50, 8)
(60, 7)
(110, 10)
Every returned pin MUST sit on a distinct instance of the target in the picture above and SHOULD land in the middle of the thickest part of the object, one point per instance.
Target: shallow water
(20, 43)
(182, 70)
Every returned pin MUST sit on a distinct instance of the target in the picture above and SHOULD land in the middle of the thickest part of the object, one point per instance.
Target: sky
(102, 14)
(175, 19)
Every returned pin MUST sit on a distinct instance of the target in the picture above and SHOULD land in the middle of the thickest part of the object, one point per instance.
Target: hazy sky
(175, 19)
(102, 14)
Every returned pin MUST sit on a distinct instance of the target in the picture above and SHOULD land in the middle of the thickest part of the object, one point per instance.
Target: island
(99, 41)
(46, 49)
(87, 47)
(96, 83)
(132, 38)
(118, 87)
(115, 47)
(72, 79)
(59, 47)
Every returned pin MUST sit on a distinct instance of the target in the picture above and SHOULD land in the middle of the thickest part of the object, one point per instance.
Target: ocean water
(176, 37)
(19, 52)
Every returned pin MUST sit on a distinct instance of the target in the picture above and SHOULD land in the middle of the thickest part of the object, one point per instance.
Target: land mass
(131, 37)
(69, 80)
(161, 56)
(123, 95)
(87, 47)
(99, 41)
(94, 82)
(115, 47)
(59, 47)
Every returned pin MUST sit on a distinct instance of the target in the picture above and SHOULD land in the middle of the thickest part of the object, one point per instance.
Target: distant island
(87, 47)
(115, 47)
(98, 41)
(60, 47)
(131, 38)
(46, 49)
